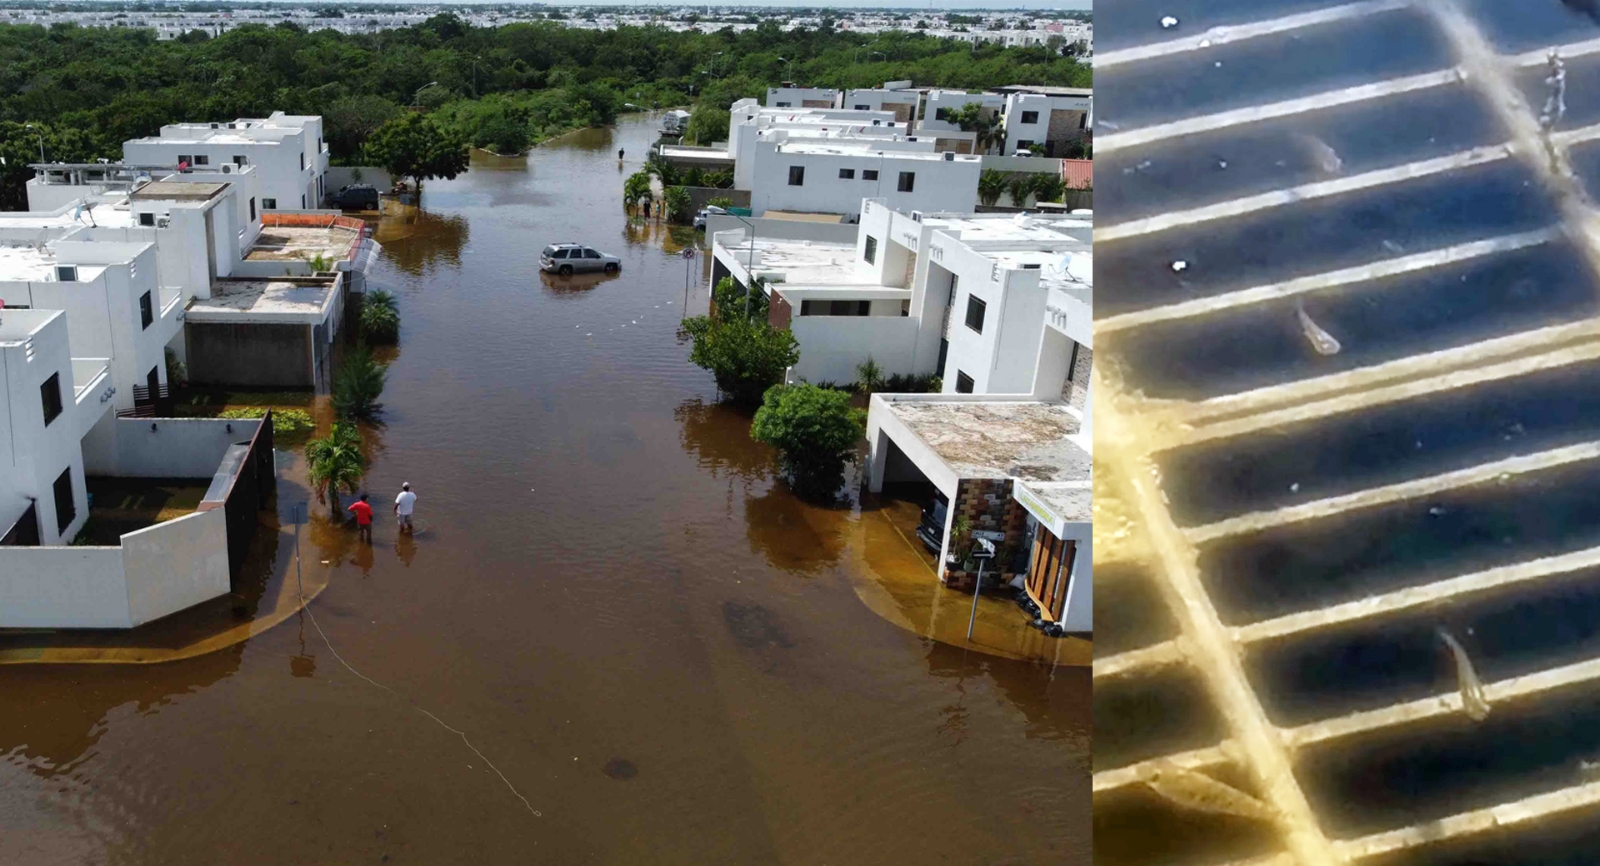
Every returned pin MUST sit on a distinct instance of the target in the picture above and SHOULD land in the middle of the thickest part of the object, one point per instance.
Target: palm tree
(357, 385)
(869, 376)
(336, 463)
(658, 165)
(1049, 187)
(976, 119)
(1020, 187)
(990, 184)
(636, 190)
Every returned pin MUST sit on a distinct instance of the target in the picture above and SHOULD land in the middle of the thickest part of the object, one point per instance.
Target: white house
(802, 97)
(833, 177)
(895, 97)
(938, 110)
(1046, 120)
(288, 150)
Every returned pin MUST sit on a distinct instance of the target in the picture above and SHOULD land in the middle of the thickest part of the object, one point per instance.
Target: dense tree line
(88, 89)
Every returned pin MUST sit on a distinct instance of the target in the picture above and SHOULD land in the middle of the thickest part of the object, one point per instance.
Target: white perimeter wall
(949, 186)
(832, 346)
(177, 448)
(156, 571)
(177, 564)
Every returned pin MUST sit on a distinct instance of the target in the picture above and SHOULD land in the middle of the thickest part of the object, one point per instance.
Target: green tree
(991, 183)
(816, 432)
(975, 118)
(335, 463)
(349, 120)
(636, 191)
(357, 385)
(707, 124)
(413, 146)
(380, 318)
(1049, 187)
(678, 203)
(1020, 187)
(745, 356)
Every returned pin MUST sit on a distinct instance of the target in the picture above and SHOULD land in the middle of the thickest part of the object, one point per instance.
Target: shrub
(1020, 187)
(358, 384)
(869, 376)
(991, 183)
(380, 324)
(1049, 187)
(694, 177)
(285, 422)
(721, 201)
(678, 202)
(718, 179)
(816, 432)
(746, 356)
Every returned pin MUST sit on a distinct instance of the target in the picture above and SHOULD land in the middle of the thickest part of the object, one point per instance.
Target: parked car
(708, 210)
(569, 258)
(356, 196)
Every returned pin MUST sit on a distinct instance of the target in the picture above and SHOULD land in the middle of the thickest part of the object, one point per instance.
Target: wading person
(363, 513)
(404, 504)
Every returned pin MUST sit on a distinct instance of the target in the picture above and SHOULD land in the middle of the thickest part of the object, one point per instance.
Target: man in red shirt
(363, 513)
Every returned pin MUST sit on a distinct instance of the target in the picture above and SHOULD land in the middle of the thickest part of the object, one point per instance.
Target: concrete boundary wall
(176, 448)
(832, 346)
(156, 571)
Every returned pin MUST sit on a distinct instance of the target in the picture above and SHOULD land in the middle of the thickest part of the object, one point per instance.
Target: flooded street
(658, 646)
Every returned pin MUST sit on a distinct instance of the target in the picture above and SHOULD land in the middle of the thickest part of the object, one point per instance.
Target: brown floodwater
(610, 594)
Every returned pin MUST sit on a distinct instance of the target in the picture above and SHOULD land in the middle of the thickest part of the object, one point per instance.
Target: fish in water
(1590, 8)
(1321, 154)
(1320, 340)
(1473, 699)
(1202, 793)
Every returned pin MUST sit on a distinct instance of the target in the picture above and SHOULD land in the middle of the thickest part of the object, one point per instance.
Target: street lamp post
(414, 96)
(749, 267)
(790, 63)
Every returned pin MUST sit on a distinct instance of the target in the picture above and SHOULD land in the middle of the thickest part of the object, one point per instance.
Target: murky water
(655, 643)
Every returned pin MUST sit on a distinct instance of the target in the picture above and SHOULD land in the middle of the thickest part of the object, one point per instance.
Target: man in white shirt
(404, 504)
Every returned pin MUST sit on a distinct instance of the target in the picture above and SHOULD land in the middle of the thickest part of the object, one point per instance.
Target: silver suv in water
(576, 258)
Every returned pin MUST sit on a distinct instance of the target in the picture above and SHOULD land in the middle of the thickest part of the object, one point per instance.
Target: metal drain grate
(1280, 532)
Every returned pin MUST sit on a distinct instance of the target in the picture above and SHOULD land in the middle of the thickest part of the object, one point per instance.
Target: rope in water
(306, 606)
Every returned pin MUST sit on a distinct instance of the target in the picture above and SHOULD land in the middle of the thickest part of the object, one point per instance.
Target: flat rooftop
(803, 263)
(281, 300)
(25, 264)
(994, 439)
(980, 231)
(110, 216)
(863, 147)
(288, 243)
(171, 190)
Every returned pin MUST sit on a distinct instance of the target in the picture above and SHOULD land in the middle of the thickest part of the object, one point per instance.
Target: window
(67, 273)
(871, 252)
(302, 201)
(146, 311)
(65, 511)
(908, 180)
(975, 311)
(963, 383)
(847, 174)
(239, 159)
(185, 159)
(269, 204)
(1024, 144)
(252, 208)
(797, 175)
(147, 219)
(783, 105)
(850, 308)
(590, 254)
(869, 174)
(202, 159)
(941, 114)
(50, 396)
(1030, 117)
(905, 309)
(559, 254)
(302, 162)
(863, 108)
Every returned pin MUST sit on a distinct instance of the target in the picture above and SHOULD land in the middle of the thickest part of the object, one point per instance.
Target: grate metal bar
(1287, 108)
(1306, 192)
(1353, 276)
(1217, 36)
(1133, 429)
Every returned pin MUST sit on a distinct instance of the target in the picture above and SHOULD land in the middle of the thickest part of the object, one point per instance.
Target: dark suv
(357, 196)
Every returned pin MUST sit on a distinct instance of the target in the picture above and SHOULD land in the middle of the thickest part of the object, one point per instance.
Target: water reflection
(419, 241)
(792, 535)
(655, 234)
(573, 283)
(719, 437)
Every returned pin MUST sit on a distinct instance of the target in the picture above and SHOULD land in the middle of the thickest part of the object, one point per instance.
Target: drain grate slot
(1276, 510)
